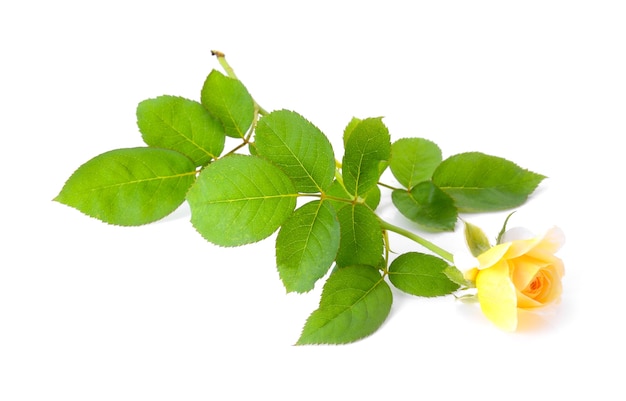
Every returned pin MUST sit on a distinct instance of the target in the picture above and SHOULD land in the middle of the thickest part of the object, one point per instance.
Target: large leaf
(306, 245)
(426, 205)
(228, 100)
(240, 199)
(367, 147)
(481, 183)
(355, 302)
(130, 187)
(414, 160)
(183, 125)
(361, 236)
(422, 275)
(298, 147)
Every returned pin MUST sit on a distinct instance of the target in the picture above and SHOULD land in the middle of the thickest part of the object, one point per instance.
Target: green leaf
(336, 190)
(130, 187)
(422, 275)
(477, 241)
(228, 100)
(298, 147)
(426, 205)
(414, 160)
(349, 128)
(355, 302)
(481, 183)
(361, 236)
(306, 245)
(240, 199)
(367, 148)
(182, 125)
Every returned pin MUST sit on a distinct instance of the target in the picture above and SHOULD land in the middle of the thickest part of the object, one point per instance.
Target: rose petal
(492, 255)
(497, 296)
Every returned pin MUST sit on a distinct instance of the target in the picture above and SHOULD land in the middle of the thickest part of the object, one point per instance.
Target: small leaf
(182, 125)
(477, 241)
(130, 187)
(481, 183)
(367, 148)
(240, 199)
(426, 205)
(298, 147)
(355, 302)
(361, 236)
(414, 160)
(228, 100)
(420, 274)
(306, 245)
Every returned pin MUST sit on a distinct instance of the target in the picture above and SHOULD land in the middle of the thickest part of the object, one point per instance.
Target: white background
(95, 312)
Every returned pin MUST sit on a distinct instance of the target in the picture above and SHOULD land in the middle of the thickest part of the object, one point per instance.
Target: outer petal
(492, 255)
(497, 296)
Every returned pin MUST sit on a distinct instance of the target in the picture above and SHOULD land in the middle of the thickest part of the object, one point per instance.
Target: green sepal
(456, 276)
(240, 199)
(130, 187)
(482, 183)
(306, 245)
(355, 302)
(228, 100)
(503, 229)
(426, 205)
(421, 275)
(476, 240)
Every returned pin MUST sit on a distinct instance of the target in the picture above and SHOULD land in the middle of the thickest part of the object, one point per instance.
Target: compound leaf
(298, 147)
(306, 245)
(355, 302)
(422, 275)
(130, 187)
(240, 199)
(228, 100)
(481, 183)
(182, 125)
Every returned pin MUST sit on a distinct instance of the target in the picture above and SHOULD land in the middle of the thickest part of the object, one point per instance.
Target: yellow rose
(519, 274)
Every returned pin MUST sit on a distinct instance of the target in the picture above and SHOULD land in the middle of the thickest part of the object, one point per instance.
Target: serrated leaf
(426, 205)
(228, 100)
(361, 236)
(240, 199)
(130, 187)
(420, 274)
(336, 190)
(355, 302)
(306, 245)
(414, 160)
(182, 125)
(349, 128)
(367, 148)
(298, 147)
(481, 183)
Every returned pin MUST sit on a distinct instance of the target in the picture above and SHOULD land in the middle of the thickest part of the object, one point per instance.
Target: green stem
(422, 241)
(221, 57)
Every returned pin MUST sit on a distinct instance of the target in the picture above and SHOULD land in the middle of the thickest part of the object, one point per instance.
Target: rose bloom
(518, 274)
